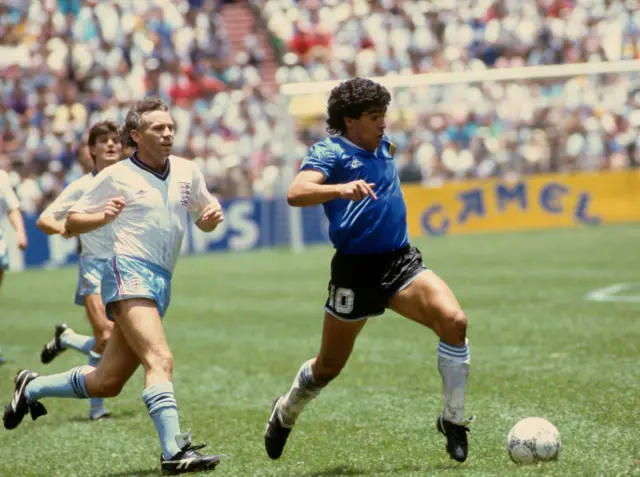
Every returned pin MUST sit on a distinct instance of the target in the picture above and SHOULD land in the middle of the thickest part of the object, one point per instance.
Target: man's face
(156, 136)
(368, 129)
(107, 150)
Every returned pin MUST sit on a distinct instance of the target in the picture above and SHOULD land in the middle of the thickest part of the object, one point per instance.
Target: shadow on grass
(136, 473)
(347, 471)
(114, 417)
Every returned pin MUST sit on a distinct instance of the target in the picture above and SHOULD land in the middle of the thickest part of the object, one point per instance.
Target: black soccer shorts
(361, 285)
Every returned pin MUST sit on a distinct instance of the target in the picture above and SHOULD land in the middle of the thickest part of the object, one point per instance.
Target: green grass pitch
(241, 324)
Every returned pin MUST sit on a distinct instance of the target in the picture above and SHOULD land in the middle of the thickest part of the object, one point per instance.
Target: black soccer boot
(54, 347)
(456, 434)
(275, 433)
(188, 460)
(18, 407)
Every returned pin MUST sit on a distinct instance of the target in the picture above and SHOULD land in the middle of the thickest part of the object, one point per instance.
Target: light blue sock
(163, 409)
(69, 384)
(82, 343)
(96, 404)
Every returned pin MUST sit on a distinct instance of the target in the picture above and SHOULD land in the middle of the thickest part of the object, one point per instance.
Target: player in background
(10, 207)
(144, 199)
(374, 267)
(105, 148)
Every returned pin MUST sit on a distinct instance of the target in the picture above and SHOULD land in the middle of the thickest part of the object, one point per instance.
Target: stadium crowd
(334, 39)
(68, 63)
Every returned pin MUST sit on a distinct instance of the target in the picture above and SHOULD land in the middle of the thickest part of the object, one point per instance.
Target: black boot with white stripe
(276, 433)
(188, 459)
(54, 347)
(19, 407)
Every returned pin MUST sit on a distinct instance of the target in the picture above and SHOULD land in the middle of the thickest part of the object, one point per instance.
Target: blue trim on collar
(162, 175)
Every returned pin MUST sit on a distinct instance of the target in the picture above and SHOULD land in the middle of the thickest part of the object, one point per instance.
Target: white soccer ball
(533, 440)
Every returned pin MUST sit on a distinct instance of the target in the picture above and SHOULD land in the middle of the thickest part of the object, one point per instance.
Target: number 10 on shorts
(341, 299)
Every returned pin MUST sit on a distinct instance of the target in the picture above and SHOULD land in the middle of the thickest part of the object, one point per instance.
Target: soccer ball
(533, 440)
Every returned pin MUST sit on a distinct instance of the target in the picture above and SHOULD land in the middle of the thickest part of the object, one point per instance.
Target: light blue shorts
(4, 252)
(89, 276)
(126, 277)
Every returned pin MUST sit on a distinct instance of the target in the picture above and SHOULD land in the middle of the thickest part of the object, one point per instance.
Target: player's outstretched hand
(212, 214)
(357, 190)
(113, 209)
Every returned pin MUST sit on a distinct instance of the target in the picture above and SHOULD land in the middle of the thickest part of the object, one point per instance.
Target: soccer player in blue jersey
(105, 148)
(144, 200)
(353, 175)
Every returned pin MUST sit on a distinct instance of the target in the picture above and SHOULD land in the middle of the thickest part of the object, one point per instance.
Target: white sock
(303, 390)
(453, 363)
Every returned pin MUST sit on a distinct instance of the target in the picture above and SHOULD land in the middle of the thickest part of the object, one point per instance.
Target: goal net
(486, 123)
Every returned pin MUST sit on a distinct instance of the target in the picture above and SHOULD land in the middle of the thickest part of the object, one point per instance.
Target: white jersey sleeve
(200, 196)
(68, 197)
(98, 193)
(7, 195)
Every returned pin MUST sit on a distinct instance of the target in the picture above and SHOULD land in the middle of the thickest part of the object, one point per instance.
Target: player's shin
(81, 343)
(304, 389)
(70, 384)
(453, 363)
(163, 410)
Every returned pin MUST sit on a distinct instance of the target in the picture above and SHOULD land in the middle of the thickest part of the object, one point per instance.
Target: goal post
(303, 102)
(478, 76)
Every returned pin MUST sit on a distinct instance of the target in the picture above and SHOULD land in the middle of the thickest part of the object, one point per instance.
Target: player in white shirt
(145, 199)
(105, 148)
(10, 207)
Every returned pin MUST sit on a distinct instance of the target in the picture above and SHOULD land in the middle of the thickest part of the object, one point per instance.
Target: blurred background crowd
(65, 64)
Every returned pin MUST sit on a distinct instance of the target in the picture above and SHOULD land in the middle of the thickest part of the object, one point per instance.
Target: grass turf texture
(240, 325)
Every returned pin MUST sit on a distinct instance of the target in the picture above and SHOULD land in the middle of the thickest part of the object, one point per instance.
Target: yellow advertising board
(533, 202)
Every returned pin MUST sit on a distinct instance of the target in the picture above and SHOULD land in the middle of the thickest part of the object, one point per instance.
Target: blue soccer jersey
(368, 226)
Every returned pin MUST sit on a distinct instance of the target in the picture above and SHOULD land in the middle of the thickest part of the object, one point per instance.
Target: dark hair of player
(134, 119)
(352, 98)
(99, 129)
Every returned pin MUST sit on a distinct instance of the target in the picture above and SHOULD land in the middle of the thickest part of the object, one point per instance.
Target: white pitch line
(610, 293)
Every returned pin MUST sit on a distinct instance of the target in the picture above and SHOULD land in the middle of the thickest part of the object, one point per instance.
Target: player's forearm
(50, 226)
(81, 223)
(15, 217)
(309, 194)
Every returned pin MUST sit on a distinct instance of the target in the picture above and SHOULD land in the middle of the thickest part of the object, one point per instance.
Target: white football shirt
(95, 243)
(152, 224)
(8, 198)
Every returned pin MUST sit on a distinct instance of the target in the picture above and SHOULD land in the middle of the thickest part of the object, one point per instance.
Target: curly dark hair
(352, 98)
(134, 118)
